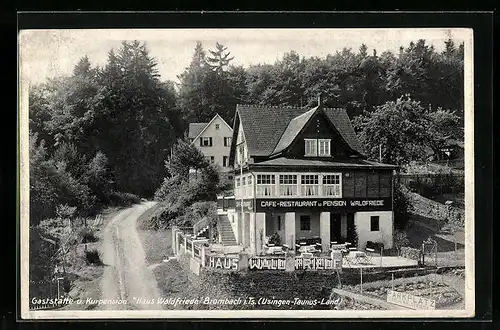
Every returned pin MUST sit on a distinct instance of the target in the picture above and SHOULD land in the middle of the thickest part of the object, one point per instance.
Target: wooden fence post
(202, 255)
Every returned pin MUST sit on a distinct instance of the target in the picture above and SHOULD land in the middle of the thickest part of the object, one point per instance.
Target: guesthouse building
(300, 174)
(213, 139)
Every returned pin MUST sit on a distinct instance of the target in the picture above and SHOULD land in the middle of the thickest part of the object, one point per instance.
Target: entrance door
(335, 225)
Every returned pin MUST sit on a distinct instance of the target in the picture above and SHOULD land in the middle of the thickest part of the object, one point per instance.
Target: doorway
(352, 236)
(335, 227)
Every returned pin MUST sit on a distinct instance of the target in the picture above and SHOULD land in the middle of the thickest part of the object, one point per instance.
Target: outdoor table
(360, 257)
(275, 249)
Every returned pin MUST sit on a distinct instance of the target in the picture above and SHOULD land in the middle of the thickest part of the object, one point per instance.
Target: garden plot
(423, 286)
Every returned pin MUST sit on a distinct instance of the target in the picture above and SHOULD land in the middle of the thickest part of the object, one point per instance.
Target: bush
(93, 257)
(117, 198)
(87, 235)
(275, 239)
(400, 239)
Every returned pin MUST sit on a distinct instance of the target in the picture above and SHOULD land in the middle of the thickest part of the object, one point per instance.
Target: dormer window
(317, 147)
(311, 147)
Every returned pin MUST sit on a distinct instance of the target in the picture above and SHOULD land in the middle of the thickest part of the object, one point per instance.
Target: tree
(194, 89)
(443, 126)
(399, 127)
(401, 206)
(219, 59)
(137, 131)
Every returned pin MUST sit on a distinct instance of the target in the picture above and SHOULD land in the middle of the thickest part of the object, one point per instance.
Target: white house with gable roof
(213, 139)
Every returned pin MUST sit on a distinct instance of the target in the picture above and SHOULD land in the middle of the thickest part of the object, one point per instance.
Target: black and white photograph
(270, 173)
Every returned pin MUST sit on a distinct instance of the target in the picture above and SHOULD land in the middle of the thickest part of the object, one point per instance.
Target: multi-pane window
(309, 184)
(331, 185)
(311, 147)
(323, 147)
(217, 126)
(288, 185)
(266, 185)
(225, 162)
(227, 141)
(205, 141)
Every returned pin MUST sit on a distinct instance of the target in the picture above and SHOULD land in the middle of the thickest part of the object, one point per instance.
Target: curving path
(126, 275)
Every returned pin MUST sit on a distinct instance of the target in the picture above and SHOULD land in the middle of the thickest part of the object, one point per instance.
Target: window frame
(336, 186)
(372, 219)
(315, 144)
(217, 127)
(288, 180)
(302, 221)
(308, 181)
(329, 144)
(208, 141)
(265, 185)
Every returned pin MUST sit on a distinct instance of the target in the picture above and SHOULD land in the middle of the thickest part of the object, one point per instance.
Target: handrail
(199, 225)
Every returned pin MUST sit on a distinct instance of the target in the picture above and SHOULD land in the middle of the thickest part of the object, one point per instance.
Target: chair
(369, 254)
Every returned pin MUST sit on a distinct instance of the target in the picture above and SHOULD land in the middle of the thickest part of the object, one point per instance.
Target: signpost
(409, 300)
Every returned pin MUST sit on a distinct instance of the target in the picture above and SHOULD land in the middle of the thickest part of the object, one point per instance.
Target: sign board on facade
(220, 262)
(276, 263)
(314, 263)
(324, 205)
(409, 300)
(261, 263)
(248, 205)
(317, 263)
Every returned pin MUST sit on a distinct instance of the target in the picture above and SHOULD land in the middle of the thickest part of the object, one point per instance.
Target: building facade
(300, 174)
(213, 139)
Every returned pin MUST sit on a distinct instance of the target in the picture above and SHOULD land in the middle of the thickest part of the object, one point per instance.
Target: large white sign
(409, 300)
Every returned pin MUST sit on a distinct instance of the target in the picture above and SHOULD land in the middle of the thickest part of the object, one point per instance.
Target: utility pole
(380, 153)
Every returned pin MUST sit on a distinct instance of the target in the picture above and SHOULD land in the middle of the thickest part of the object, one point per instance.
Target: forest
(103, 136)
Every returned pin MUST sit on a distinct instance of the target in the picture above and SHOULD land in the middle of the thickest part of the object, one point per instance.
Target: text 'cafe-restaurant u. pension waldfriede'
(300, 174)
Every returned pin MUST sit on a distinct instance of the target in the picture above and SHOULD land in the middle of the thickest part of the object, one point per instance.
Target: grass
(418, 233)
(171, 278)
(144, 218)
(157, 244)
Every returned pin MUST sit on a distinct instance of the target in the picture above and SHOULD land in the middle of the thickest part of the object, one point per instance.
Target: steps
(226, 233)
(203, 233)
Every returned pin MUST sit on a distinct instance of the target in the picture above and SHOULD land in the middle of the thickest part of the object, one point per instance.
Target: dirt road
(126, 276)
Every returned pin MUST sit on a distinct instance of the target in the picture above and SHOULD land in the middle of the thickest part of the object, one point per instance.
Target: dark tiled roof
(267, 126)
(195, 129)
(293, 128)
(264, 125)
(343, 124)
(304, 163)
